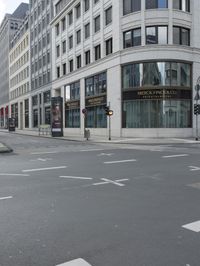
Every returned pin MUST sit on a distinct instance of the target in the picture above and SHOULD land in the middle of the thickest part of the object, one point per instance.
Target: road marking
(105, 154)
(44, 169)
(123, 161)
(175, 155)
(93, 150)
(77, 262)
(3, 198)
(195, 226)
(115, 182)
(194, 185)
(77, 177)
(194, 168)
(44, 152)
(6, 174)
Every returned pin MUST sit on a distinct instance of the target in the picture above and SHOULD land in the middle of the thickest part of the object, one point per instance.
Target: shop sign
(72, 105)
(153, 94)
(95, 101)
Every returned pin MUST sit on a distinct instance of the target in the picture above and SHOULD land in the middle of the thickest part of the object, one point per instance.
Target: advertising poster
(57, 116)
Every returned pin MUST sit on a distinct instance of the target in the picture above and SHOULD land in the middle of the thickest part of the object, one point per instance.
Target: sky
(9, 6)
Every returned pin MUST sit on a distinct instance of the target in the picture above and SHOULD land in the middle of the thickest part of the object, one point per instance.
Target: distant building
(10, 24)
(19, 76)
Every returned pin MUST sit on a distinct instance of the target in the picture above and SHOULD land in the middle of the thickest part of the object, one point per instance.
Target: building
(141, 58)
(19, 76)
(8, 27)
(40, 41)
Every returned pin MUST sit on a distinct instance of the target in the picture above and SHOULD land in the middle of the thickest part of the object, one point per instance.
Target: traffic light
(107, 110)
(196, 109)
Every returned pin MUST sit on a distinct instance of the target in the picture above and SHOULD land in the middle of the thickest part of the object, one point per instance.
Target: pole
(197, 133)
(109, 121)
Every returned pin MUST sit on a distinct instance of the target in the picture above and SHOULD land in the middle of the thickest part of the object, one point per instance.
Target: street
(98, 204)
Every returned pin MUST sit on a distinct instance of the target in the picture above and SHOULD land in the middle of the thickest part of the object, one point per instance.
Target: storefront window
(96, 85)
(96, 117)
(163, 99)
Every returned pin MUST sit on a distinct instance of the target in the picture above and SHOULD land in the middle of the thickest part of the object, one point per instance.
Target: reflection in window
(96, 117)
(181, 36)
(156, 4)
(156, 35)
(132, 38)
(183, 5)
(96, 85)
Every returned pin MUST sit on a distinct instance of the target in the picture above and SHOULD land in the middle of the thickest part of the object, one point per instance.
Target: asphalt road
(110, 205)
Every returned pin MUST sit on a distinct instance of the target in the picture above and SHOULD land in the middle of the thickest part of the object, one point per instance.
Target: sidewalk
(104, 139)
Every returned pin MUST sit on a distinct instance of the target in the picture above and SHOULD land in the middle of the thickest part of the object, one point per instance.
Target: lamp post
(197, 106)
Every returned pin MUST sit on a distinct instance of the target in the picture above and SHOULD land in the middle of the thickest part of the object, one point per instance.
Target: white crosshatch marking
(195, 226)
(114, 182)
(77, 262)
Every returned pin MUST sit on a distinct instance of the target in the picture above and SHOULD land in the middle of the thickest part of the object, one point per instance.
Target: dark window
(108, 15)
(87, 30)
(87, 5)
(97, 24)
(70, 17)
(132, 38)
(109, 47)
(181, 36)
(78, 61)
(87, 57)
(64, 47)
(71, 65)
(63, 24)
(97, 50)
(64, 69)
(58, 50)
(57, 29)
(78, 36)
(71, 42)
(58, 71)
(130, 6)
(78, 11)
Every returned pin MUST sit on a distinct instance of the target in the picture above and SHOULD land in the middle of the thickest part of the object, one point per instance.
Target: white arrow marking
(5, 174)
(77, 177)
(44, 169)
(77, 262)
(3, 198)
(176, 155)
(123, 161)
(194, 168)
(105, 154)
(195, 226)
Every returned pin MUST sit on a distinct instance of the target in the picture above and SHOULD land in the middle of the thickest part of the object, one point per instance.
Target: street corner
(4, 148)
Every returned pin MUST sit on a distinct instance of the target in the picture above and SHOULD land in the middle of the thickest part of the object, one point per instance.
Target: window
(78, 11)
(58, 71)
(64, 69)
(78, 61)
(108, 15)
(156, 4)
(63, 24)
(109, 46)
(130, 6)
(71, 42)
(87, 30)
(64, 46)
(71, 65)
(183, 5)
(57, 29)
(156, 35)
(132, 38)
(181, 36)
(58, 50)
(87, 5)
(97, 24)
(70, 17)
(97, 50)
(87, 57)
(78, 36)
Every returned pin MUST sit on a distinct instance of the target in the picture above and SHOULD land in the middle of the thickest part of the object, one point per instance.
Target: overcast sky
(9, 6)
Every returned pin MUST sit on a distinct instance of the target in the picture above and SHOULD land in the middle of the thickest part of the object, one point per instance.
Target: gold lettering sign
(96, 101)
(157, 94)
(72, 105)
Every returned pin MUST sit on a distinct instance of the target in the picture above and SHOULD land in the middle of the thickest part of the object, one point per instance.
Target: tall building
(40, 40)
(8, 27)
(19, 76)
(139, 57)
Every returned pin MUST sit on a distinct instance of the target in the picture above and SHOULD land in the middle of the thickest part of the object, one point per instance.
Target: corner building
(140, 57)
